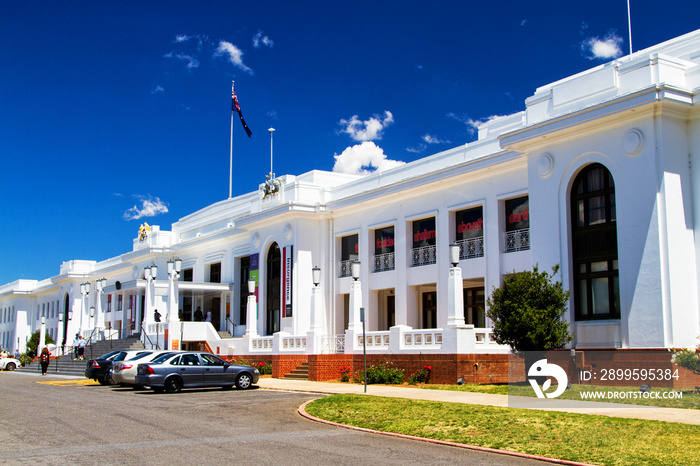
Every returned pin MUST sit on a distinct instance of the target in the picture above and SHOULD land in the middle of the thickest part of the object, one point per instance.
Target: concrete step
(300, 373)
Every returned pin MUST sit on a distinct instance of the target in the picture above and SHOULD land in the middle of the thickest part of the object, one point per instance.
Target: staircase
(66, 365)
(300, 373)
(224, 334)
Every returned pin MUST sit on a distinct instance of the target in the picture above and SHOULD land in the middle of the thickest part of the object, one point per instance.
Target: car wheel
(244, 381)
(11, 366)
(109, 379)
(103, 380)
(173, 384)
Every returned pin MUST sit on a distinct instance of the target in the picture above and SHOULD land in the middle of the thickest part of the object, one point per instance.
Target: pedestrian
(156, 316)
(76, 345)
(198, 314)
(208, 319)
(17, 354)
(45, 358)
(81, 348)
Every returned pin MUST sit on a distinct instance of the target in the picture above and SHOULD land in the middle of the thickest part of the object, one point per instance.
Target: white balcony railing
(471, 248)
(384, 262)
(423, 256)
(333, 344)
(346, 268)
(518, 240)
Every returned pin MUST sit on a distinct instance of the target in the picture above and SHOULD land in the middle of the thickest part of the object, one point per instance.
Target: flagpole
(629, 24)
(230, 156)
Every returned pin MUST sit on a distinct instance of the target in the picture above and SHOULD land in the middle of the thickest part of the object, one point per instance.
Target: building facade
(597, 175)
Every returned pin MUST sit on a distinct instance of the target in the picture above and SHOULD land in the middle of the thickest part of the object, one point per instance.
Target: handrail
(90, 340)
(233, 327)
(143, 331)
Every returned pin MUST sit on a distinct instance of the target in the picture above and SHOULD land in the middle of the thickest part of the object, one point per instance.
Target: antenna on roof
(629, 24)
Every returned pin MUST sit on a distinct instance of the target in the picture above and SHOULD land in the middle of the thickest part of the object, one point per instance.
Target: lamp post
(42, 335)
(60, 335)
(100, 285)
(355, 297)
(85, 291)
(172, 318)
(455, 297)
(150, 273)
(251, 308)
(313, 340)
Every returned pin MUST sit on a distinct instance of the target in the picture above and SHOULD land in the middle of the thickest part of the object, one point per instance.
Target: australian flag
(236, 107)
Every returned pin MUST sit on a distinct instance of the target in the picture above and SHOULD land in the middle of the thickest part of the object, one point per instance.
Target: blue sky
(115, 113)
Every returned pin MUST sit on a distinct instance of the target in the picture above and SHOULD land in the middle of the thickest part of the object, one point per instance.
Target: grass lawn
(690, 400)
(575, 437)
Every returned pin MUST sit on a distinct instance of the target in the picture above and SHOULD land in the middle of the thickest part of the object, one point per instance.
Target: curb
(302, 411)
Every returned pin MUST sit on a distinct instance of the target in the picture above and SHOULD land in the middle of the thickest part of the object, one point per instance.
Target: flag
(236, 107)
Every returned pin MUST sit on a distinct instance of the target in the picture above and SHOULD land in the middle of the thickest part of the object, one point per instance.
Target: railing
(146, 337)
(384, 262)
(333, 344)
(345, 268)
(375, 340)
(233, 327)
(423, 338)
(518, 240)
(262, 344)
(423, 256)
(292, 343)
(471, 248)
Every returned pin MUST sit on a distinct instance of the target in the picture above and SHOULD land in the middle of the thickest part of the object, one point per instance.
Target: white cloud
(471, 124)
(523, 22)
(157, 88)
(192, 62)
(606, 48)
(418, 149)
(259, 39)
(234, 55)
(363, 159)
(149, 207)
(367, 130)
(182, 38)
(430, 139)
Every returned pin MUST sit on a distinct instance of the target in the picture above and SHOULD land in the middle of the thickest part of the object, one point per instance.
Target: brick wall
(283, 364)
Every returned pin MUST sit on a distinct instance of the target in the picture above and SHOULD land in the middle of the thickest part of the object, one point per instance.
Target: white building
(598, 174)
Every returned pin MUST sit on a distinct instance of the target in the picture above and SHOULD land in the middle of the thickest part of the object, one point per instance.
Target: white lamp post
(313, 340)
(42, 334)
(355, 297)
(59, 333)
(173, 320)
(251, 329)
(455, 297)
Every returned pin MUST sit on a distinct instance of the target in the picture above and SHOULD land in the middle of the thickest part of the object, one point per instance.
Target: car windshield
(160, 355)
(120, 356)
(162, 358)
(140, 356)
(110, 355)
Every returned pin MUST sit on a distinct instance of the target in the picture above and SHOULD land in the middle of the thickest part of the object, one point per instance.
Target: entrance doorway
(430, 309)
(273, 283)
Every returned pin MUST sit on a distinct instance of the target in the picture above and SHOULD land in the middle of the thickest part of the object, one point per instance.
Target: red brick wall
(324, 367)
(283, 364)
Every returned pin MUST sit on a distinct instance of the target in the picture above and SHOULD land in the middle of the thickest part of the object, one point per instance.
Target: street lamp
(316, 275)
(355, 267)
(454, 254)
(251, 286)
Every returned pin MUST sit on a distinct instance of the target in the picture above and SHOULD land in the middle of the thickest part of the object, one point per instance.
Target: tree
(527, 311)
(33, 343)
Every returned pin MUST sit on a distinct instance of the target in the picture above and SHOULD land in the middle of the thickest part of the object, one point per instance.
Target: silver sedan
(124, 372)
(173, 372)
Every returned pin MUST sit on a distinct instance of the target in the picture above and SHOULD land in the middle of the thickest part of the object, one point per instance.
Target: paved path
(686, 416)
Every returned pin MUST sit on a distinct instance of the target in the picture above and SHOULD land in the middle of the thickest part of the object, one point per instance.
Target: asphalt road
(50, 420)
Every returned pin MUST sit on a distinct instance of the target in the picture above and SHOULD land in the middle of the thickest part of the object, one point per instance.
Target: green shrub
(33, 343)
(420, 376)
(384, 373)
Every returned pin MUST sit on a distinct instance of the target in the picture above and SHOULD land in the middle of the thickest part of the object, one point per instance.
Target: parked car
(9, 364)
(124, 372)
(99, 369)
(194, 369)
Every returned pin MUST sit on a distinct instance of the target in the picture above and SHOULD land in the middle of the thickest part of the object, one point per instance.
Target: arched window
(594, 245)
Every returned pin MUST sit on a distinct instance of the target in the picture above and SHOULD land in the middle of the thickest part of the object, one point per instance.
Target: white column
(42, 335)
(251, 328)
(173, 318)
(354, 323)
(313, 338)
(455, 298)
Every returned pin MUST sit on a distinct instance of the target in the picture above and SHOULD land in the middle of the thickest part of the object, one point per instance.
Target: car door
(190, 370)
(216, 371)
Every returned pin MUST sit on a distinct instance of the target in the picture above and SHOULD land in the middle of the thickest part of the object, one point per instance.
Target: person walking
(44, 359)
(81, 348)
(76, 345)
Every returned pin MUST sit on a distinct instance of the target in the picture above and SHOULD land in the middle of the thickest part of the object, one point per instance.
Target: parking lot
(51, 420)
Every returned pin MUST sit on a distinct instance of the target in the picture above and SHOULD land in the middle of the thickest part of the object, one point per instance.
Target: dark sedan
(99, 369)
(172, 372)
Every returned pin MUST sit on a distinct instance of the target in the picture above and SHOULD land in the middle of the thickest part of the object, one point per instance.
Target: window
(187, 275)
(517, 224)
(470, 232)
(215, 273)
(423, 252)
(349, 251)
(384, 249)
(594, 245)
(474, 307)
(120, 302)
